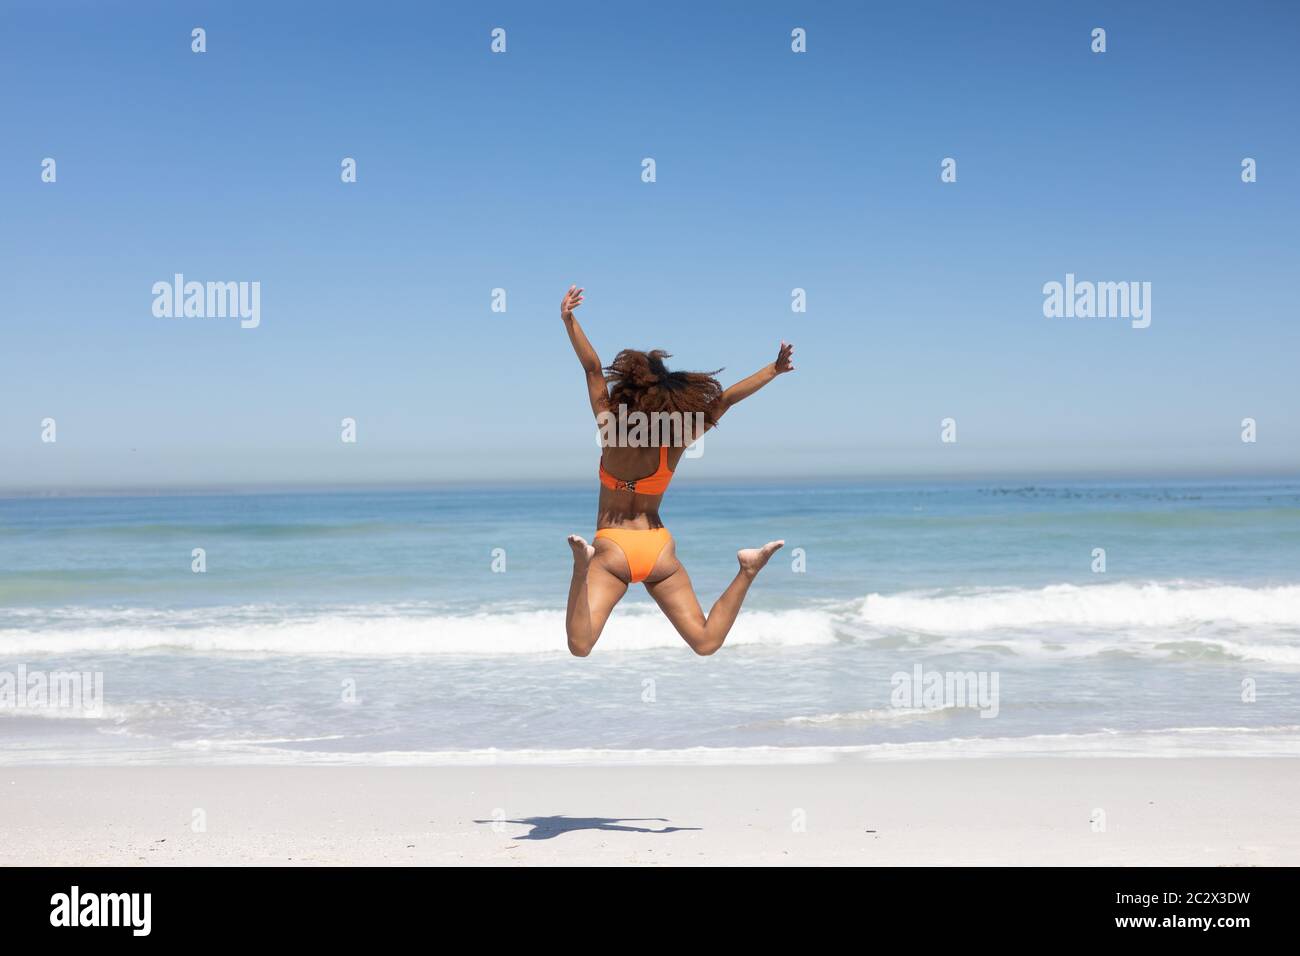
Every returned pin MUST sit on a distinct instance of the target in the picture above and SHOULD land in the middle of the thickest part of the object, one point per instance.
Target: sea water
(428, 626)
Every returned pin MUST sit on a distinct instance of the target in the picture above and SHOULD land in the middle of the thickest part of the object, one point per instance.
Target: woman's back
(632, 484)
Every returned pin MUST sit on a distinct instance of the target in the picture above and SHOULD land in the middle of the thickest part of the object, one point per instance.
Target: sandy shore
(1026, 811)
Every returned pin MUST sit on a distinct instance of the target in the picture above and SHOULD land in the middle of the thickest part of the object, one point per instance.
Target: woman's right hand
(572, 299)
(784, 358)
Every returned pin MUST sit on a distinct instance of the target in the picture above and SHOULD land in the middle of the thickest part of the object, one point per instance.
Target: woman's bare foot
(582, 553)
(752, 559)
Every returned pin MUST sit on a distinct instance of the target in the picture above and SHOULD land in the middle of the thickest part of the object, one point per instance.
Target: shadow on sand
(548, 828)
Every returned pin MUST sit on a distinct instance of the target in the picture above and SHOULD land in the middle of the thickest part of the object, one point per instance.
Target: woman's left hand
(572, 299)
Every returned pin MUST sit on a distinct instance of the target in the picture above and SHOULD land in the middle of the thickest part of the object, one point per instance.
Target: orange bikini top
(655, 484)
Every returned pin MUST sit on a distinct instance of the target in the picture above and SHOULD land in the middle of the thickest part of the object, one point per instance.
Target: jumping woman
(631, 542)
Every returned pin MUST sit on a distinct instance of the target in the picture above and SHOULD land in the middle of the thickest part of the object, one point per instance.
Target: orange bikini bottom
(641, 548)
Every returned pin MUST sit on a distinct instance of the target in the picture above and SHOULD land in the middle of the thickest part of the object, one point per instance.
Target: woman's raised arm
(748, 386)
(593, 371)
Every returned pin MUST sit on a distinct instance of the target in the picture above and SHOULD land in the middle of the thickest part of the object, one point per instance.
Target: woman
(631, 542)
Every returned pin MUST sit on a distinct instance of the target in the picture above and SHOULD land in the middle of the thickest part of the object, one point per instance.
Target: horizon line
(139, 490)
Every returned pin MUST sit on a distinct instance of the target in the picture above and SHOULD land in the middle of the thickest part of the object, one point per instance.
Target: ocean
(409, 627)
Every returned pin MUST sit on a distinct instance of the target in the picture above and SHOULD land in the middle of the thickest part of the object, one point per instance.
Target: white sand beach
(935, 812)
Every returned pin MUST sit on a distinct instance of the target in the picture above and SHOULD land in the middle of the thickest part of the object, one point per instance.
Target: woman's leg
(593, 592)
(675, 595)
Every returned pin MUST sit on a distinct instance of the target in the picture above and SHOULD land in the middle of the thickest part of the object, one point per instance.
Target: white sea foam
(1168, 619)
(882, 715)
(1172, 742)
(369, 634)
(1159, 605)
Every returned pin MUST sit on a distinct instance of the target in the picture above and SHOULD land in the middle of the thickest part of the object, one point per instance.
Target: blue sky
(522, 171)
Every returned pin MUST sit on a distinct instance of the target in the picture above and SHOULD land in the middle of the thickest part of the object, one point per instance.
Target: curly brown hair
(642, 382)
